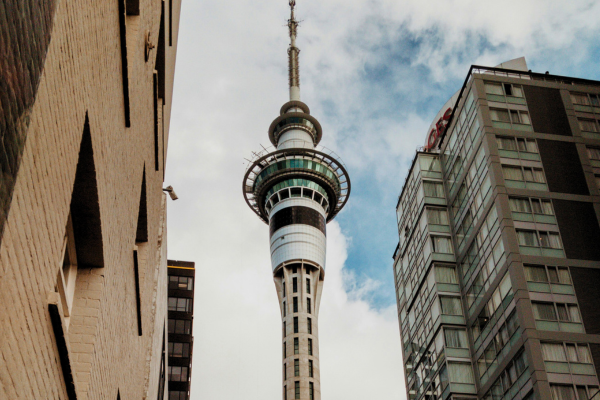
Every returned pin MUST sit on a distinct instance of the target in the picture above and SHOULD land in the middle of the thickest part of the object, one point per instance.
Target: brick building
(86, 100)
(498, 263)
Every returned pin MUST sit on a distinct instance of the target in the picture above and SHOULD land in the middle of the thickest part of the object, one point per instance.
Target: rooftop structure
(497, 268)
(297, 188)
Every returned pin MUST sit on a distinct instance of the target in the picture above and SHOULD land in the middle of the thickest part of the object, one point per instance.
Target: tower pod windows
(296, 192)
(318, 198)
(307, 193)
(284, 194)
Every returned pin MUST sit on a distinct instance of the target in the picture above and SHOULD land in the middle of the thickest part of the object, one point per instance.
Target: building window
(310, 347)
(584, 99)
(180, 304)
(530, 240)
(295, 285)
(311, 390)
(433, 189)
(284, 371)
(517, 148)
(295, 324)
(180, 326)
(295, 304)
(284, 332)
(307, 285)
(310, 368)
(296, 367)
(284, 350)
(588, 125)
(556, 312)
(308, 306)
(451, 305)
(309, 326)
(285, 392)
(506, 117)
(508, 378)
(284, 310)
(181, 282)
(530, 206)
(526, 174)
(294, 270)
(445, 274)
(178, 395)
(567, 352)
(456, 338)
(296, 346)
(283, 284)
(437, 216)
(297, 390)
(593, 153)
(461, 373)
(178, 374)
(179, 350)
(441, 244)
(540, 273)
(503, 89)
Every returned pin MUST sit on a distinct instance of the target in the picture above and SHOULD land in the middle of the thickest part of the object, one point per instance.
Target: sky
(374, 73)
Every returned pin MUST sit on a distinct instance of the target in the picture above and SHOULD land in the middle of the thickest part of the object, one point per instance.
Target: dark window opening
(295, 304)
(141, 234)
(309, 326)
(295, 324)
(138, 300)
(296, 345)
(307, 285)
(85, 209)
(295, 285)
(124, 68)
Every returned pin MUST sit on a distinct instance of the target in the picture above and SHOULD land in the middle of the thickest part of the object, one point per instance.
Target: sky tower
(296, 188)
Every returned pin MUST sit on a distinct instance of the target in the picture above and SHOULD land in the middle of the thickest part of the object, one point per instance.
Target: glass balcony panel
(508, 153)
(557, 367)
(562, 289)
(547, 325)
(537, 186)
(520, 216)
(579, 107)
(544, 219)
(571, 327)
(523, 127)
(515, 100)
(530, 251)
(538, 287)
(515, 184)
(495, 97)
(501, 125)
(553, 253)
(530, 156)
(582, 369)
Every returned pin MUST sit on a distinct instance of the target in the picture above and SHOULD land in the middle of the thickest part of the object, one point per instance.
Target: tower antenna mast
(293, 53)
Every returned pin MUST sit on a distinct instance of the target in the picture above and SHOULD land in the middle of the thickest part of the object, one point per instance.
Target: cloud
(374, 73)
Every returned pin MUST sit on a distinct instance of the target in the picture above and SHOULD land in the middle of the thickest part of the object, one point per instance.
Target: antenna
(293, 53)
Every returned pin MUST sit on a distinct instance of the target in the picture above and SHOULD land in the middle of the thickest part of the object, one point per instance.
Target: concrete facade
(498, 264)
(83, 275)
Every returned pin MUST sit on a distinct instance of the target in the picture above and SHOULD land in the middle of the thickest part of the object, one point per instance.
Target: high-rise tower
(297, 188)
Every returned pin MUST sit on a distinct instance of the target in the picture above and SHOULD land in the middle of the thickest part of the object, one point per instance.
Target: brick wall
(82, 75)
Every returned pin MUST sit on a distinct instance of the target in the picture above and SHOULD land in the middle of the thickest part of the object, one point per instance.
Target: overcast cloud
(375, 73)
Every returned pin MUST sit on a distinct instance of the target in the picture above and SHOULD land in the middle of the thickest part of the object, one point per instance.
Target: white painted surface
(298, 241)
(290, 139)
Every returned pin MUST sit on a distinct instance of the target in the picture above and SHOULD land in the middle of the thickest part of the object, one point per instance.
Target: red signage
(438, 130)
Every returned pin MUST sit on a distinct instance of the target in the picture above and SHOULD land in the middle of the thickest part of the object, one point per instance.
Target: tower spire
(293, 52)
